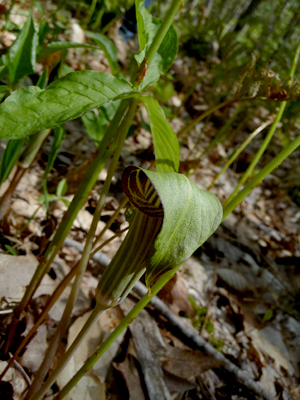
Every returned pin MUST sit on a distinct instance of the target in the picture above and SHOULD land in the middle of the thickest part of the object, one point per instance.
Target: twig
(21, 370)
(198, 341)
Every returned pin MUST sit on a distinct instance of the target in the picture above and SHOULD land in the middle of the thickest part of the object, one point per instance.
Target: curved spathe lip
(141, 192)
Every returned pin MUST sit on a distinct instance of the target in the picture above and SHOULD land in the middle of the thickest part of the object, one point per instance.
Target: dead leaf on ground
(176, 294)
(188, 364)
(129, 372)
(92, 387)
(35, 351)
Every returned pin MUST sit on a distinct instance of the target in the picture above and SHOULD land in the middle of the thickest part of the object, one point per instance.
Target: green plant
(173, 218)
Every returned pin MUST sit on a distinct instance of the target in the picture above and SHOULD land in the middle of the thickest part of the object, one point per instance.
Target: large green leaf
(22, 53)
(107, 46)
(54, 47)
(166, 145)
(166, 53)
(31, 109)
(190, 215)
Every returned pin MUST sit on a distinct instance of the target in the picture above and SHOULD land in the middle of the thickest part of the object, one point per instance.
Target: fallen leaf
(131, 376)
(188, 364)
(35, 351)
(92, 387)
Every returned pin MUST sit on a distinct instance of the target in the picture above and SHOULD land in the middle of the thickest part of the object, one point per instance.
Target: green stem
(256, 181)
(119, 329)
(87, 183)
(238, 151)
(63, 324)
(90, 12)
(260, 152)
(268, 137)
(33, 147)
(162, 31)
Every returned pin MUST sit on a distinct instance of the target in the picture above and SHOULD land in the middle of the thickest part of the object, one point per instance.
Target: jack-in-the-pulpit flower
(174, 217)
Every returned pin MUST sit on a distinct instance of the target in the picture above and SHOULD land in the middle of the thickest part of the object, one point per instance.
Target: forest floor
(240, 290)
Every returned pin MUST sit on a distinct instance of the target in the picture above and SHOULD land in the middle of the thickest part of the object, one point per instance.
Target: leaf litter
(257, 256)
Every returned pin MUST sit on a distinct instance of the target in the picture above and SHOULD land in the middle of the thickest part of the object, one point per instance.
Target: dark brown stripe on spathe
(141, 192)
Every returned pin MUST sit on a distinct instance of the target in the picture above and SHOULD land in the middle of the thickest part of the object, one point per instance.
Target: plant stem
(260, 152)
(29, 154)
(90, 12)
(63, 324)
(268, 137)
(95, 315)
(162, 31)
(256, 181)
(119, 329)
(86, 185)
(239, 150)
(158, 39)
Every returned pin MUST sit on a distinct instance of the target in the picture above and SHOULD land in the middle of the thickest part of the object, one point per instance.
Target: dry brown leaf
(131, 376)
(188, 364)
(176, 294)
(35, 351)
(92, 387)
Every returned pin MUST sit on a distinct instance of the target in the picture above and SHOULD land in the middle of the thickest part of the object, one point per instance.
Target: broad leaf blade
(31, 109)
(107, 46)
(166, 145)
(22, 53)
(54, 47)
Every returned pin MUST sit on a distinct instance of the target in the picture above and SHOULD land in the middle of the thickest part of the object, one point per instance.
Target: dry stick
(58, 291)
(198, 341)
(37, 388)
